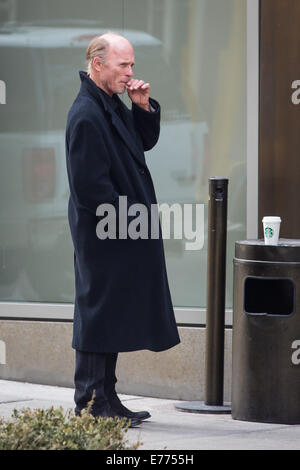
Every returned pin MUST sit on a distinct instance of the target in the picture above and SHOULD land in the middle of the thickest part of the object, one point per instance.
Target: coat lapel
(125, 134)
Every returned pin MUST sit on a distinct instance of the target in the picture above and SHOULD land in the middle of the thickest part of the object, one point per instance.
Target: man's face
(117, 70)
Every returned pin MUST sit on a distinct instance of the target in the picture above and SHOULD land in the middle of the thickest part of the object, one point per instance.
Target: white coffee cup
(271, 230)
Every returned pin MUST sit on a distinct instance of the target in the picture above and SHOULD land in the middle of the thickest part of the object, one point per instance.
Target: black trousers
(95, 373)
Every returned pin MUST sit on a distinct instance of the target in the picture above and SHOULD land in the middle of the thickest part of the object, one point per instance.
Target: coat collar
(110, 104)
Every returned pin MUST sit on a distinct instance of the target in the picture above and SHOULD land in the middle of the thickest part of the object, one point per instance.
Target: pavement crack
(15, 401)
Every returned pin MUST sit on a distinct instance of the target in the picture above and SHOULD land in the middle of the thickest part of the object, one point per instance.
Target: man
(122, 300)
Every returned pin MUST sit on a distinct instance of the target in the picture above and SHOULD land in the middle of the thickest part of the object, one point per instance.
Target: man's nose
(129, 71)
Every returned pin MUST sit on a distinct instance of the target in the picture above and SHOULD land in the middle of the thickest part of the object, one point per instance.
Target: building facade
(215, 67)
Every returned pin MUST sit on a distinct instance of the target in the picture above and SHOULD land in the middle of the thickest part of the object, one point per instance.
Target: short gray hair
(98, 47)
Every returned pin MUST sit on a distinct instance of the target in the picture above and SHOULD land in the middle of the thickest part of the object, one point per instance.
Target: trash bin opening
(269, 296)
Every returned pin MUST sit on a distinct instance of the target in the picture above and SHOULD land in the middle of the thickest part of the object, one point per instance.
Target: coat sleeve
(147, 123)
(88, 166)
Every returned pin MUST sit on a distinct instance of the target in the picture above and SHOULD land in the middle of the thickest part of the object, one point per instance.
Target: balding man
(122, 297)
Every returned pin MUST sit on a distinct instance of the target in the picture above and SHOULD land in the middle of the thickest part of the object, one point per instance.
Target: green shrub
(54, 429)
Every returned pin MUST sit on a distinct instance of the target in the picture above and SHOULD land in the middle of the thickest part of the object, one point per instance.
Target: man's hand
(139, 92)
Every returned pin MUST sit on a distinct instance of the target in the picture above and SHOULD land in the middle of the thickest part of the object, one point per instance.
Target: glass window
(193, 53)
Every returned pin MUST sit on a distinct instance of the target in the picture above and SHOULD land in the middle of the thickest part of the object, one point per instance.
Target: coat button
(142, 171)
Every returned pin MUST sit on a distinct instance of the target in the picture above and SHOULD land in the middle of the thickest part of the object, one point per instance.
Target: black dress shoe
(110, 413)
(121, 410)
(131, 420)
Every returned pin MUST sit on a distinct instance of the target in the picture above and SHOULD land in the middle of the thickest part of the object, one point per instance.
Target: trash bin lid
(287, 250)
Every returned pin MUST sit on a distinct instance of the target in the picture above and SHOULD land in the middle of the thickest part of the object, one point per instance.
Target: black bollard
(216, 285)
(215, 316)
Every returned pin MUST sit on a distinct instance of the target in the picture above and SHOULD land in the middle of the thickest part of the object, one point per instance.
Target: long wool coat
(122, 297)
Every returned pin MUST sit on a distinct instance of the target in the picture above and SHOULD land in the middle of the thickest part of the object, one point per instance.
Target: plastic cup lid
(270, 219)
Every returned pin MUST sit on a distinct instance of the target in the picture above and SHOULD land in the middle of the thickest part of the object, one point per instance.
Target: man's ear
(97, 64)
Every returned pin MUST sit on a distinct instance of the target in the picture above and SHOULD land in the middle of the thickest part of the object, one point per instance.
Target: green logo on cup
(269, 232)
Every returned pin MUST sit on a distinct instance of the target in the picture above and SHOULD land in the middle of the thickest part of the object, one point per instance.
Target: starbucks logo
(269, 232)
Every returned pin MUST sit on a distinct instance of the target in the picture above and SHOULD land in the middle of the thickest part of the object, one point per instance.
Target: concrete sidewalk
(167, 428)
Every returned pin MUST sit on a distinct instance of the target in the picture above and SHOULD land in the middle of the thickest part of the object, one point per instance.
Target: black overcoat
(122, 297)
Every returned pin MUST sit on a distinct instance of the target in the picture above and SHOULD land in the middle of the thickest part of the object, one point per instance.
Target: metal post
(215, 317)
(216, 277)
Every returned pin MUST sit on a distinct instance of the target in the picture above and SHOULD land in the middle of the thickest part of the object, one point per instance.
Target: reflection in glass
(193, 54)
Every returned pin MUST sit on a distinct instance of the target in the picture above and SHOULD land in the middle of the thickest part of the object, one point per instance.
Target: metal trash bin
(266, 332)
